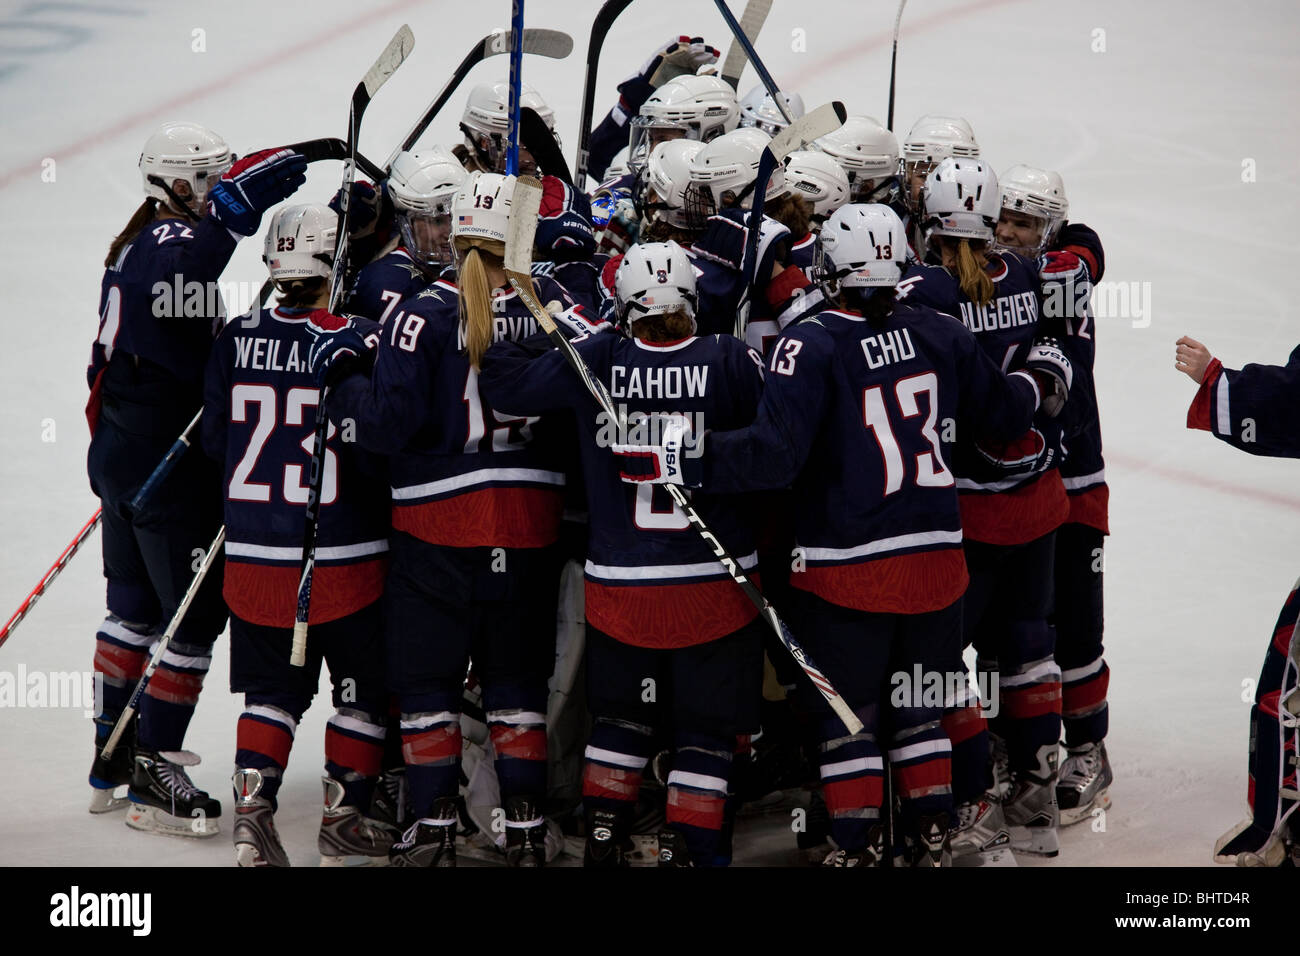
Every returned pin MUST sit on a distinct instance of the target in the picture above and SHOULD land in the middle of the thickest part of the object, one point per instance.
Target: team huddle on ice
(880, 407)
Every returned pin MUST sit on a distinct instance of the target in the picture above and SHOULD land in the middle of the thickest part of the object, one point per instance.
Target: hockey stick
(161, 647)
(893, 64)
(751, 22)
(179, 447)
(609, 12)
(393, 56)
(739, 37)
(60, 563)
(516, 79)
(316, 150)
(825, 119)
(552, 43)
(536, 137)
(524, 206)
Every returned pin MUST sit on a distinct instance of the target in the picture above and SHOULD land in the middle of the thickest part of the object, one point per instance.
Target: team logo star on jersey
(429, 293)
(412, 269)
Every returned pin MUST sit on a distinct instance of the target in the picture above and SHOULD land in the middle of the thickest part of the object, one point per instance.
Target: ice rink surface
(1173, 124)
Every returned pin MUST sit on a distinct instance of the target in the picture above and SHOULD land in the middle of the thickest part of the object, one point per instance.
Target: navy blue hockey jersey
(650, 578)
(855, 415)
(463, 473)
(382, 284)
(1011, 493)
(259, 422)
(1255, 409)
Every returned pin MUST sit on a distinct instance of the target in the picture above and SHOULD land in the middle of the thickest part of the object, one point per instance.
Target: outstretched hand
(1192, 358)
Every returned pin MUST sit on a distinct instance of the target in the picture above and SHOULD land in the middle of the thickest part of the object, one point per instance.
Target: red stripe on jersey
(173, 687)
(261, 737)
(1086, 254)
(1268, 703)
(781, 288)
(668, 615)
(488, 518)
(925, 778)
(438, 744)
(1085, 697)
(1198, 415)
(962, 725)
(267, 594)
(363, 756)
(903, 584)
(1091, 508)
(695, 809)
(610, 783)
(855, 793)
(520, 742)
(1282, 636)
(1018, 516)
(1036, 700)
(117, 662)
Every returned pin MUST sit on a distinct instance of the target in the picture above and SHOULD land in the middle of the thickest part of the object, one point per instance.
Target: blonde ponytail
(476, 295)
(972, 278)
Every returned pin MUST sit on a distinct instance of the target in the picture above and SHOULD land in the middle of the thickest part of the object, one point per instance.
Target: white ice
(1176, 143)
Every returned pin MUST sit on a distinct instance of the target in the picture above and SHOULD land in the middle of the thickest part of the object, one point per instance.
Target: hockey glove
(1051, 368)
(253, 185)
(726, 233)
(336, 340)
(677, 57)
(576, 320)
(673, 460)
(363, 208)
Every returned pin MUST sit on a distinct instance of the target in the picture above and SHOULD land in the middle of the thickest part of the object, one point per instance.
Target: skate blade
(997, 856)
(1078, 814)
(247, 855)
(107, 800)
(156, 820)
(1036, 841)
(353, 860)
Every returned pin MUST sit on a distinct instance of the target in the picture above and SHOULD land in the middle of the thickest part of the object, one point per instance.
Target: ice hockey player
(931, 140)
(476, 511)
(486, 125)
(1255, 409)
(259, 418)
(659, 606)
(159, 310)
(1012, 500)
(868, 153)
(420, 185)
(820, 182)
(759, 111)
(880, 573)
(1033, 222)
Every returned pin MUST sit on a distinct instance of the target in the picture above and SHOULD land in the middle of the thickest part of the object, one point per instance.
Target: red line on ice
(239, 75)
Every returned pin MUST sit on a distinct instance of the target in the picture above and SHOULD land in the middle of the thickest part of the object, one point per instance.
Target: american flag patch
(465, 220)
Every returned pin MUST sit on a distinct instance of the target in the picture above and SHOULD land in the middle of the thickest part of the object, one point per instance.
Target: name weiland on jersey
(1004, 312)
(261, 354)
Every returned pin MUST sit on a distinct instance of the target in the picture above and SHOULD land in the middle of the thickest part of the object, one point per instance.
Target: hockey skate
(980, 836)
(673, 850)
(348, 837)
(525, 833)
(107, 777)
(430, 841)
(1084, 783)
(929, 846)
(165, 800)
(870, 855)
(1031, 811)
(1248, 845)
(389, 804)
(607, 839)
(256, 841)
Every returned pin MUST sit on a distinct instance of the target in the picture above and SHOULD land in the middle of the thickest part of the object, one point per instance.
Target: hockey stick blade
(398, 49)
(751, 22)
(815, 124)
(536, 137)
(555, 44)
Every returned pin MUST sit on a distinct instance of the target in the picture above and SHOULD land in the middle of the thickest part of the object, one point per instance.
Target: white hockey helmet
(819, 179)
(655, 277)
(726, 169)
(183, 151)
(686, 107)
(866, 150)
(933, 139)
(422, 185)
(619, 165)
(300, 242)
(1035, 192)
(862, 246)
(486, 120)
(660, 190)
(481, 208)
(759, 110)
(960, 199)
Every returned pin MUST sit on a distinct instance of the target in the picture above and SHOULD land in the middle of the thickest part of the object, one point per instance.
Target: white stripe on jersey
(1084, 481)
(897, 543)
(659, 572)
(239, 549)
(1225, 420)
(481, 477)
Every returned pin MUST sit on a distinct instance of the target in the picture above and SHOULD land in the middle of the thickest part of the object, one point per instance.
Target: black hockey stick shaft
(893, 65)
(605, 18)
(160, 648)
(179, 447)
(317, 150)
(738, 34)
(523, 225)
(555, 44)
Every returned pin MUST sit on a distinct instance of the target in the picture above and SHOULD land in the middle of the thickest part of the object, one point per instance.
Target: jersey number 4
(930, 470)
(257, 403)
